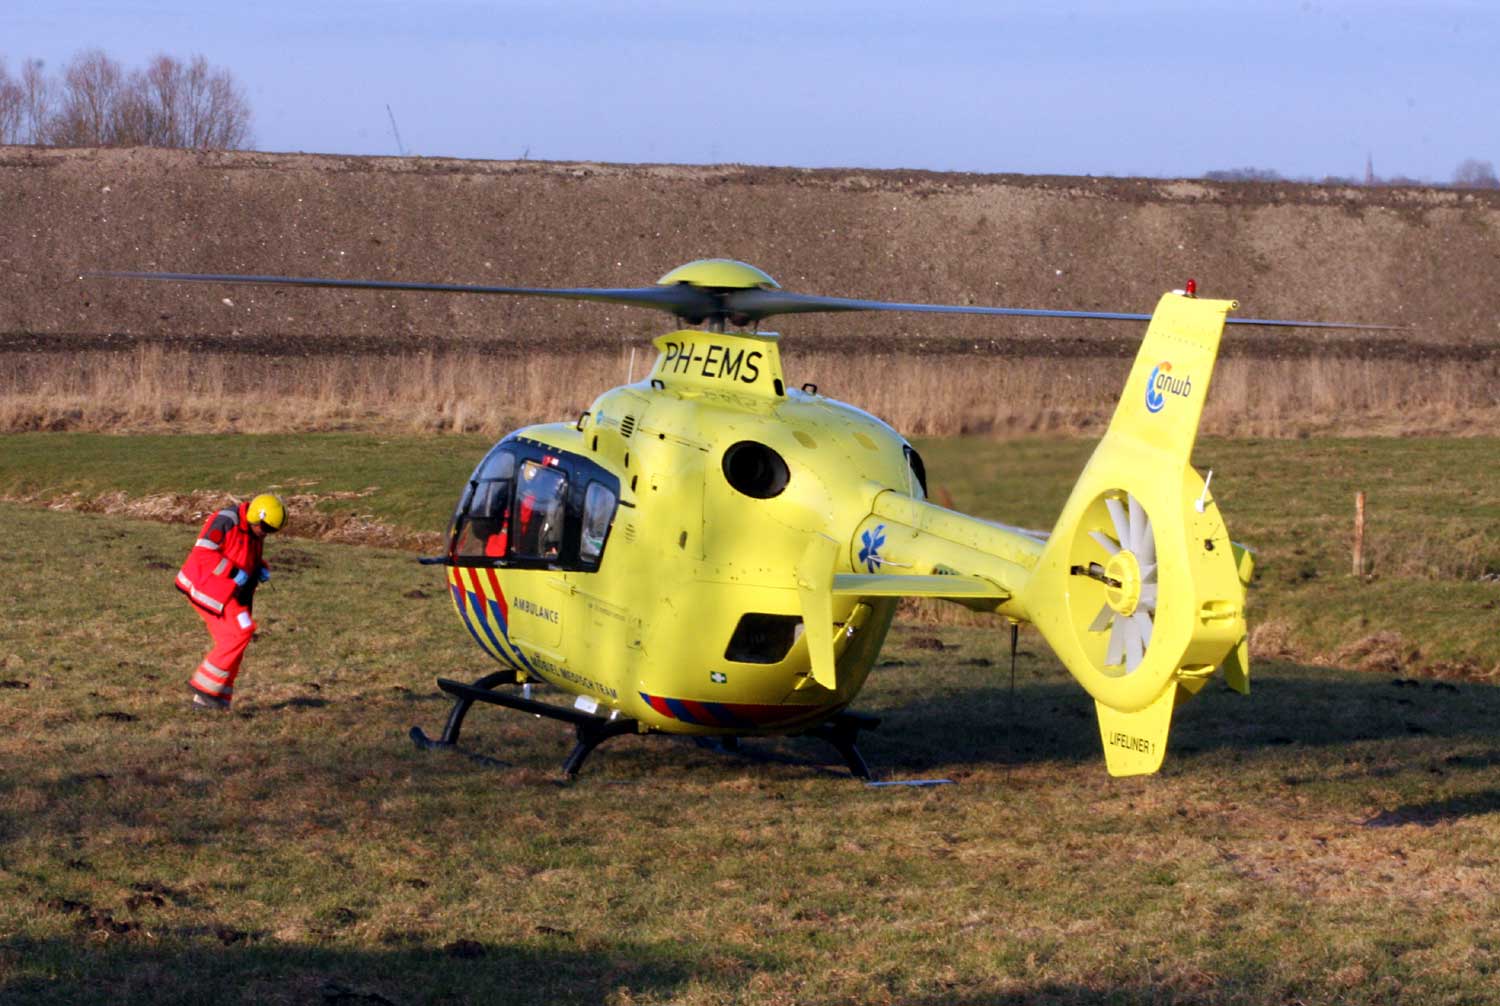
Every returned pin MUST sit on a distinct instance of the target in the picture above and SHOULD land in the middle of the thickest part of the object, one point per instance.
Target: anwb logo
(1161, 383)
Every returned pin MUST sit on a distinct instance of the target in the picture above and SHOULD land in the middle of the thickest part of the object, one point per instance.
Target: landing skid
(841, 730)
(591, 730)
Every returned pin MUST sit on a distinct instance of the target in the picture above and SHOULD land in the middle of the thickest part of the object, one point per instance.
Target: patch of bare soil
(305, 520)
(1240, 343)
(1407, 255)
(1392, 653)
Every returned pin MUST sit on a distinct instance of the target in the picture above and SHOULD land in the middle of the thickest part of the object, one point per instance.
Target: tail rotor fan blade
(1114, 654)
(1140, 527)
(1105, 542)
(1146, 553)
(1120, 519)
(1143, 625)
(1101, 620)
(1135, 646)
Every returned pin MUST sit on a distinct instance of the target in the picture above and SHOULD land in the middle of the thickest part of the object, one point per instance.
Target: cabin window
(763, 639)
(537, 517)
(755, 470)
(598, 512)
(916, 473)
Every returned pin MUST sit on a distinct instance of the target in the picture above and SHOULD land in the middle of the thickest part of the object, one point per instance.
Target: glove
(241, 578)
(264, 574)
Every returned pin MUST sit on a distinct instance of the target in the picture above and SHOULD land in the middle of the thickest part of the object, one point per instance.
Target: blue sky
(1158, 88)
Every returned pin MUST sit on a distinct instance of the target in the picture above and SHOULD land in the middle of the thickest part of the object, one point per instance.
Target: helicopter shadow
(1292, 706)
(948, 729)
(483, 969)
(1429, 813)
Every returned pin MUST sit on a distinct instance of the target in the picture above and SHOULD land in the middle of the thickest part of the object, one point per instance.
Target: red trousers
(232, 632)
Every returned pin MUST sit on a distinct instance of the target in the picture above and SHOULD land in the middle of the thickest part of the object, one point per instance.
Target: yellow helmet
(268, 510)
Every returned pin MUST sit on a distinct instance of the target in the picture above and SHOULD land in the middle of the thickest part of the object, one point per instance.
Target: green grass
(1330, 838)
(1423, 607)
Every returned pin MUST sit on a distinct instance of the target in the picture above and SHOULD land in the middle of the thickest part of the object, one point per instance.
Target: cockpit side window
(481, 524)
(598, 513)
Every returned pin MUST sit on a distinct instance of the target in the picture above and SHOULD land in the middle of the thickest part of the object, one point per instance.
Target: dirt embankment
(1427, 258)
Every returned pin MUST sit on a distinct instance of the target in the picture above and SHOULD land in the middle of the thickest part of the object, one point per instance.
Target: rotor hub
(1124, 570)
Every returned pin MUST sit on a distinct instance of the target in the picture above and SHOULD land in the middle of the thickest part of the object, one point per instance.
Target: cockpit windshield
(529, 505)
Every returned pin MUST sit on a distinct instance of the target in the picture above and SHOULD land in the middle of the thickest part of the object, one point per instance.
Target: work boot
(209, 702)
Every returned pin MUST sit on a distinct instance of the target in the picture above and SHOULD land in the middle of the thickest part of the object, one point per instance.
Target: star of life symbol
(718, 677)
(869, 553)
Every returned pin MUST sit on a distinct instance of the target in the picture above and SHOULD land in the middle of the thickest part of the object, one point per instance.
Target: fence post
(1359, 533)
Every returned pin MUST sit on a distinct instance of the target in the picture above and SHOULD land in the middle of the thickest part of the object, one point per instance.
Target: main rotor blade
(680, 299)
(740, 306)
(756, 304)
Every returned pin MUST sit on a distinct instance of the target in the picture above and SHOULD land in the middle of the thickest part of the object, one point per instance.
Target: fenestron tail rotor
(1128, 572)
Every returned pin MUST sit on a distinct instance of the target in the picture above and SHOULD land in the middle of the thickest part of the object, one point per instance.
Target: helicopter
(709, 551)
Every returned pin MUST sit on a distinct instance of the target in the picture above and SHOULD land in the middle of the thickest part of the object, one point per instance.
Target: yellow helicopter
(709, 551)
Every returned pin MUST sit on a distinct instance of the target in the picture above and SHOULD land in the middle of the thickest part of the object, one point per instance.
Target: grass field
(1432, 551)
(1331, 838)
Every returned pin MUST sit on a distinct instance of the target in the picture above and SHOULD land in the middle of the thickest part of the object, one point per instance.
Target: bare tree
(88, 114)
(1476, 174)
(37, 97)
(11, 98)
(176, 104)
(170, 103)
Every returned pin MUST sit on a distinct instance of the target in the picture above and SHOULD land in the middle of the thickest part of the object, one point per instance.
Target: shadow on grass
(126, 970)
(1432, 812)
(1290, 706)
(957, 725)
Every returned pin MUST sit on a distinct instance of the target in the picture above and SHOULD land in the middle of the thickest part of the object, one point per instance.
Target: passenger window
(537, 522)
(763, 639)
(598, 512)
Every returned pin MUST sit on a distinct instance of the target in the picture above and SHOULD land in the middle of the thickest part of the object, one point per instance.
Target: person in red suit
(219, 578)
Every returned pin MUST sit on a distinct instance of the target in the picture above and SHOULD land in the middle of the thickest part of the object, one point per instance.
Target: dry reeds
(151, 387)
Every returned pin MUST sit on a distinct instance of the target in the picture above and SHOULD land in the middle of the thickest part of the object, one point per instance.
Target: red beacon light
(1191, 290)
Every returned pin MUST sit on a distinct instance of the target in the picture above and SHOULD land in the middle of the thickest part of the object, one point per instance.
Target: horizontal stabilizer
(944, 587)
